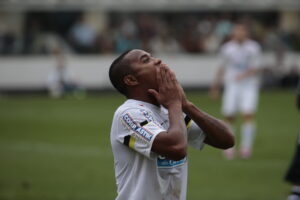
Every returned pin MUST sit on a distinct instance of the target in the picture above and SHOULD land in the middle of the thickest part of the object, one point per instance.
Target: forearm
(251, 72)
(217, 133)
(173, 143)
(176, 124)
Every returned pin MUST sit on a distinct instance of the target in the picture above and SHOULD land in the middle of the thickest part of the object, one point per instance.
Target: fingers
(166, 77)
(167, 74)
(163, 74)
(158, 76)
(173, 76)
(154, 93)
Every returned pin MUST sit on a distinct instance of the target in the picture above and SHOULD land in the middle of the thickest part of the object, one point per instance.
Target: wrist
(186, 105)
(175, 105)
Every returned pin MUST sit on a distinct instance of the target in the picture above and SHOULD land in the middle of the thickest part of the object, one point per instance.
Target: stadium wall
(30, 73)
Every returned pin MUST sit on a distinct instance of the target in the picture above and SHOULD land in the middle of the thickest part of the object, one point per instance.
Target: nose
(157, 61)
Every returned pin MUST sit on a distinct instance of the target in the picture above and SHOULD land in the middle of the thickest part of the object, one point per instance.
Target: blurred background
(54, 139)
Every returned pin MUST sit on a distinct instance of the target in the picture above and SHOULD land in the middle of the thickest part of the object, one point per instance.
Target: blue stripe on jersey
(163, 162)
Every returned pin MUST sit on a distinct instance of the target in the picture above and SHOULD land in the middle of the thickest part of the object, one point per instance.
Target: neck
(144, 97)
(241, 41)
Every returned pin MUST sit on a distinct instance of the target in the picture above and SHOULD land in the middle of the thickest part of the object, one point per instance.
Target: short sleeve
(139, 130)
(196, 136)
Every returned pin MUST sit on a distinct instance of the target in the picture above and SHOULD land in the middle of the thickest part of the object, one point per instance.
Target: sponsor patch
(150, 118)
(163, 162)
(137, 129)
(147, 115)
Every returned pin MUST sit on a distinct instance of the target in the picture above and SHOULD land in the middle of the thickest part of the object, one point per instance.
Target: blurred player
(150, 132)
(60, 80)
(239, 69)
(293, 174)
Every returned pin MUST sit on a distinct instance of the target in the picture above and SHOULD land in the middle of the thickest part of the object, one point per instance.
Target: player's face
(240, 33)
(144, 68)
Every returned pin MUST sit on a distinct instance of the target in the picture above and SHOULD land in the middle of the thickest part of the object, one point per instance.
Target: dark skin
(154, 82)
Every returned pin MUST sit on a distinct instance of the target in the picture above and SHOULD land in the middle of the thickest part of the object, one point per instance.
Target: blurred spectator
(161, 32)
(191, 40)
(31, 36)
(126, 36)
(223, 27)
(82, 37)
(105, 42)
(164, 43)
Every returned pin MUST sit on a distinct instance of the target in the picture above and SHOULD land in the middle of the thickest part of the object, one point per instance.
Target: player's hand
(240, 77)
(214, 92)
(168, 93)
(185, 102)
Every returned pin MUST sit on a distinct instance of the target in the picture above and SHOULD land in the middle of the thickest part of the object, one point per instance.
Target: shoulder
(253, 45)
(228, 46)
(133, 110)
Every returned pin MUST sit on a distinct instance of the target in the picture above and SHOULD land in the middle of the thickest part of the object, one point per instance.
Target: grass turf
(60, 150)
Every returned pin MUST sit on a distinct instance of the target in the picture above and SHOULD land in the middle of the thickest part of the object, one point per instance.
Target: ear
(130, 80)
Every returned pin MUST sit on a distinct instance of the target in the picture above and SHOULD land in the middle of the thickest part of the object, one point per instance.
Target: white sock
(248, 134)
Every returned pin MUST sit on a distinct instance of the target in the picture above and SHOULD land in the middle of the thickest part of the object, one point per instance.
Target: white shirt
(237, 58)
(140, 173)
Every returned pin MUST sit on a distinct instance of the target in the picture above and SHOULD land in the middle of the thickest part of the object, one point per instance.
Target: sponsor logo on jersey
(163, 162)
(147, 115)
(137, 129)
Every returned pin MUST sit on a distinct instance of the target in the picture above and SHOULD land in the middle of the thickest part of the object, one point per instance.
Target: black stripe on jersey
(187, 120)
(126, 140)
(144, 123)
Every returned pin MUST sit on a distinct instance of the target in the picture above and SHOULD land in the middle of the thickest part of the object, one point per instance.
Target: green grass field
(60, 150)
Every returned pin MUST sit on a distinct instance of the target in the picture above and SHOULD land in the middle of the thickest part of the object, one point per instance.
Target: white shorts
(239, 98)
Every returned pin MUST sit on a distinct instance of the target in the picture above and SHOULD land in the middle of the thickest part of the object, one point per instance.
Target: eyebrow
(144, 55)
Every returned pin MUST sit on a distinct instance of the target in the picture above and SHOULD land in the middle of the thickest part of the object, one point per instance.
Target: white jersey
(237, 58)
(141, 173)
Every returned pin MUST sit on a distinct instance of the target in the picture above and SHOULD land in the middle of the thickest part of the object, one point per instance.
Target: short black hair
(119, 68)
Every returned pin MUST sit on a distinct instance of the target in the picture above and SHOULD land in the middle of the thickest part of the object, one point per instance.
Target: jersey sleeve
(196, 136)
(139, 130)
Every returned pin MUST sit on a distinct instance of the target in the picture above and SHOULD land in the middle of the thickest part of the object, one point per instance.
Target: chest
(239, 57)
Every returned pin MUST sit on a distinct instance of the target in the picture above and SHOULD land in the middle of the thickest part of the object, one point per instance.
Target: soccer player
(240, 72)
(152, 128)
(293, 173)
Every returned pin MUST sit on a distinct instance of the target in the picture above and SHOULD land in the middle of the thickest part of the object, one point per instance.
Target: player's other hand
(240, 77)
(168, 93)
(214, 92)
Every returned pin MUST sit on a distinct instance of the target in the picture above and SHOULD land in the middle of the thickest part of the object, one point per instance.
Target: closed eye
(146, 60)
